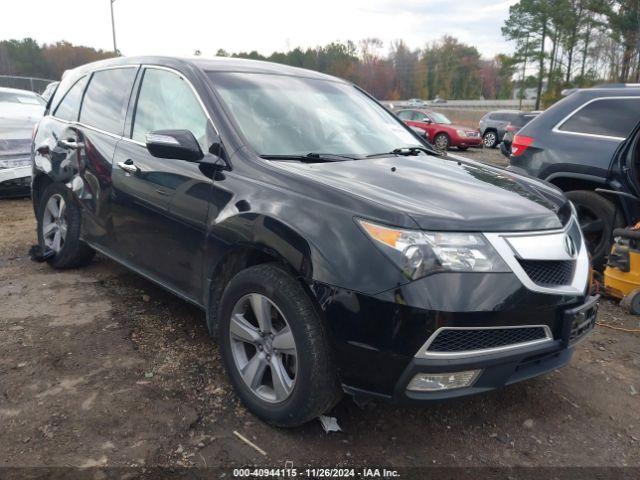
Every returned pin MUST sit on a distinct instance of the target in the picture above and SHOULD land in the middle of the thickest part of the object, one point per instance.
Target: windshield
(440, 118)
(284, 115)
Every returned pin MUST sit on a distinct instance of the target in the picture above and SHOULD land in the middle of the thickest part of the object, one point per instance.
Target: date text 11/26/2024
(292, 472)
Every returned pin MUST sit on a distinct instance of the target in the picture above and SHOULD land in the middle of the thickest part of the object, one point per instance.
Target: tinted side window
(166, 102)
(613, 117)
(522, 120)
(504, 117)
(105, 102)
(69, 107)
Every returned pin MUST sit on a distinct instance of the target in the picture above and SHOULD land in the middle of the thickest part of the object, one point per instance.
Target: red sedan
(441, 131)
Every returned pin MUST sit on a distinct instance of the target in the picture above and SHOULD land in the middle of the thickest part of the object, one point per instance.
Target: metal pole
(524, 68)
(113, 27)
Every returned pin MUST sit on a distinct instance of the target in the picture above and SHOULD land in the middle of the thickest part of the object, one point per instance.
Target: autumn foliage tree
(27, 58)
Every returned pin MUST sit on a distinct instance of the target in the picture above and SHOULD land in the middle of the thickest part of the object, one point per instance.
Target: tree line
(26, 57)
(575, 43)
(444, 68)
(567, 43)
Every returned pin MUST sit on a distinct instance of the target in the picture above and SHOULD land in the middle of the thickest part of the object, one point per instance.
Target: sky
(180, 27)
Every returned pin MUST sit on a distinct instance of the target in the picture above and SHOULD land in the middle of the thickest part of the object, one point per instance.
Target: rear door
(161, 205)
(75, 144)
(585, 141)
(100, 127)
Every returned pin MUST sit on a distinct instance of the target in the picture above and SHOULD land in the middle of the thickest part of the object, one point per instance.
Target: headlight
(461, 133)
(419, 253)
(15, 162)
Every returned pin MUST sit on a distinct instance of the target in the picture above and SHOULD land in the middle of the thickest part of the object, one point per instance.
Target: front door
(422, 121)
(161, 205)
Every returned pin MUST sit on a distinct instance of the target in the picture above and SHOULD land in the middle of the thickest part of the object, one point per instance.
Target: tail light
(520, 144)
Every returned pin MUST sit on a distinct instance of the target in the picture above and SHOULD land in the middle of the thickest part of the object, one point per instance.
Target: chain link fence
(34, 84)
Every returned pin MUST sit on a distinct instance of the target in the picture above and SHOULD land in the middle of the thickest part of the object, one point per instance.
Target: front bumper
(497, 371)
(15, 181)
(377, 339)
(466, 142)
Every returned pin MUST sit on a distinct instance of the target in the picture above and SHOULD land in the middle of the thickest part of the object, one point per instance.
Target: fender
(576, 176)
(258, 233)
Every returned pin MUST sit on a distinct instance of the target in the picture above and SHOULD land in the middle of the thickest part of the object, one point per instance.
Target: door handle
(69, 143)
(128, 166)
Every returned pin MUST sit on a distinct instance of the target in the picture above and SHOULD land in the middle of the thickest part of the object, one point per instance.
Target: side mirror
(426, 120)
(174, 144)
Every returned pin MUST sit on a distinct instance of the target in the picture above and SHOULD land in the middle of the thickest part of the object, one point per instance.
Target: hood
(455, 126)
(20, 112)
(445, 194)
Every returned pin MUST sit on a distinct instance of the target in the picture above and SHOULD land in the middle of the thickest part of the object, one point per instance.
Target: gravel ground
(99, 367)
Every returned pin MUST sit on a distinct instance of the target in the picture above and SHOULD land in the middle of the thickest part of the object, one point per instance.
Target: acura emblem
(569, 246)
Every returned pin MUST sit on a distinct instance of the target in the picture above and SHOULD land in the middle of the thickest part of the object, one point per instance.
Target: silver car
(20, 111)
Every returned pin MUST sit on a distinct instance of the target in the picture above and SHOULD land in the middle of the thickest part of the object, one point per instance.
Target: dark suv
(572, 145)
(329, 248)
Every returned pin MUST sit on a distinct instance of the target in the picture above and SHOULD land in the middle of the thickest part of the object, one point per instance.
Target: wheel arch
(264, 240)
(589, 183)
(38, 184)
(567, 183)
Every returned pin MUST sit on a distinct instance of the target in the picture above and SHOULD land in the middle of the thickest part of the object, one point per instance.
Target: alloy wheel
(263, 348)
(54, 223)
(489, 139)
(441, 142)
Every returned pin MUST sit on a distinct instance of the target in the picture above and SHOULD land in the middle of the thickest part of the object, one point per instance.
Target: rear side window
(405, 115)
(69, 107)
(105, 102)
(522, 120)
(611, 117)
(166, 102)
(504, 117)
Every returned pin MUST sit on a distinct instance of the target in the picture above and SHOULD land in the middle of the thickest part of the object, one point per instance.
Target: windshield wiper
(310, 157)
(405, 151)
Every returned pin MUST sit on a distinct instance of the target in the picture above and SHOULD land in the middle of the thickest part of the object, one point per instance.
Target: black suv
(572, 145)
(329, 248)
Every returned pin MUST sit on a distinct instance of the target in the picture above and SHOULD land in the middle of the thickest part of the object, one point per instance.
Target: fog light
(433, 382)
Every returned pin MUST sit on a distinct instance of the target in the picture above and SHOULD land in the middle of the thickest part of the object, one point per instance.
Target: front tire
(59, 225)
(598, 217)
(441, 142)
(274, 347)
(490, 139)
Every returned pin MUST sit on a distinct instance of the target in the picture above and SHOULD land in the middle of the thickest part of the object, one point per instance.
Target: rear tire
(59, 226)
(598, 217)
(310, 377)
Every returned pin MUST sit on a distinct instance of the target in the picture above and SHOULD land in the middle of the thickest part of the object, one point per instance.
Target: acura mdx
(329, 247)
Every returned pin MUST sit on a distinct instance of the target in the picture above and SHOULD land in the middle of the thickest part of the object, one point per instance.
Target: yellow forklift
(622, 274)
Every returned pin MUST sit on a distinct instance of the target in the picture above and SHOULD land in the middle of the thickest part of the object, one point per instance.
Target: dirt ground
(99, 367)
